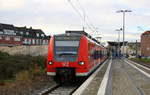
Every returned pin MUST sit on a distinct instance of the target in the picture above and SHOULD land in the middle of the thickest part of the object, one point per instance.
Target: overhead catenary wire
(79, 13)
(86, 18)
(83, 15)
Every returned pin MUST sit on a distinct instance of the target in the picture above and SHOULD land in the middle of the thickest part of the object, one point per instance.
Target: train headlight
(50, 63)
(81, 63)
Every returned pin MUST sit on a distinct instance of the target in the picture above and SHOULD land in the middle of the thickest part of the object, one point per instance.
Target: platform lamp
(123, 28)
(118, 30)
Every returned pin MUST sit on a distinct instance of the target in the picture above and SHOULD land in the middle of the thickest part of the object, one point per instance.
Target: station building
(11, 35)
(130, 48)
(115, 48)
(134, 48)
(145, 44)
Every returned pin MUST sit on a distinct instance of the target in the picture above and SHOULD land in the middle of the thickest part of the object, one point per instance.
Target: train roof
(86, 34)
(71, 34)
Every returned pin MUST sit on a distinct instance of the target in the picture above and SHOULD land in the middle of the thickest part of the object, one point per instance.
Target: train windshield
(66, 48)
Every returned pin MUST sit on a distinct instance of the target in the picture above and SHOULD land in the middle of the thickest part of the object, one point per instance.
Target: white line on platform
(80, 90)
(148, 75)
(103, 85)
(139, 65)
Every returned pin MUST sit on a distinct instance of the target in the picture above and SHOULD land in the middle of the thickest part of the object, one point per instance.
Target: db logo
(66, 64)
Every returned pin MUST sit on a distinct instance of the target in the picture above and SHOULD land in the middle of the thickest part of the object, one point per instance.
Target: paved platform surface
(142, 67)
(123, 80)
(126, 80)
(92, 89)
(138, 79)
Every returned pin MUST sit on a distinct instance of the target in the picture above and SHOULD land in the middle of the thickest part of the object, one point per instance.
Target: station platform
(117, 77)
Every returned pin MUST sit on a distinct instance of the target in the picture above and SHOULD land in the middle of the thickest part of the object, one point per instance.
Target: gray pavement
(121, 83)
(141, 82)
(123, 80)
(126, 80)
(93, 87)
(145, 70)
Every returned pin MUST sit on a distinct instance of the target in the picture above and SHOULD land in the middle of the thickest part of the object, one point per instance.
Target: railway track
(64, 89)
(60, 90)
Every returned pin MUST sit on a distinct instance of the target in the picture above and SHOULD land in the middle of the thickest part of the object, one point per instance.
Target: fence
(26, 50)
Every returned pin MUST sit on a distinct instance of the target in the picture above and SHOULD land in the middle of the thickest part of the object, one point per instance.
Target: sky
(57, 16)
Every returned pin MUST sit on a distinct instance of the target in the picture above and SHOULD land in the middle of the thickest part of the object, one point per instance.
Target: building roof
(6, 26)
(32, 33)
(20, 28)
(146, 33)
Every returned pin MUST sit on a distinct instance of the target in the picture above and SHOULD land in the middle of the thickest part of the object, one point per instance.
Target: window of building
(1, 32)
(21, 33)
(27, 33)
(7, 38)
(43, 42)
(25, 41)
(37, 34)
(9, 32)
(16, 39)
(29, 41)
(33, 41)
(47, 41)
(42, 35)
(37, 42)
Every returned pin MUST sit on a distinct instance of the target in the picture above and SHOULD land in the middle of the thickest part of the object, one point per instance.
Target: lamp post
(118, 30)
(123, 11)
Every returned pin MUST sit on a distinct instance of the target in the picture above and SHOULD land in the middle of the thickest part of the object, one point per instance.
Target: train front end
(67, 56)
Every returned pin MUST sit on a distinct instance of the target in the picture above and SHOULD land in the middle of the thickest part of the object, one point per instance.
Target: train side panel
(81, 70)
(50, 57)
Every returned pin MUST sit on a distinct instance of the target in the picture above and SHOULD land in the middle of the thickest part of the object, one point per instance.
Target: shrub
(10, 66)
(3, 55)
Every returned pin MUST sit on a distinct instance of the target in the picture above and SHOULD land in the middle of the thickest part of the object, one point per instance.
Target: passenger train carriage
(74, 54)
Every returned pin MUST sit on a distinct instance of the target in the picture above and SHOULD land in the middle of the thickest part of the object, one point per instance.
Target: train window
(99, 54)
(66, 53)
(66, 48)
(96, 54)
(102, 53)
(66, 43)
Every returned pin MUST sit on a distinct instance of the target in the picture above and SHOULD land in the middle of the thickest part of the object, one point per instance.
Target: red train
(73, 54)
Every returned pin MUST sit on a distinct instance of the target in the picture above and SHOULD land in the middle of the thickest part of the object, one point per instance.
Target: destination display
(67, 38)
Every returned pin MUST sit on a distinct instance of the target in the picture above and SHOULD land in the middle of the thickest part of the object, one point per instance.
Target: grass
(20, 67)
(145, 60)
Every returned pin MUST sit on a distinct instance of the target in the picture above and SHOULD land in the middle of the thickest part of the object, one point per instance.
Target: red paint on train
(89, 56)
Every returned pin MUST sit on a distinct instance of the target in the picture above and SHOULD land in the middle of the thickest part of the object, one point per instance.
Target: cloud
(136, 3)
(56, 16)
(11, 4)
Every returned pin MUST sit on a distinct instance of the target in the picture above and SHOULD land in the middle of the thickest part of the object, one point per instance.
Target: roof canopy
(116, 43)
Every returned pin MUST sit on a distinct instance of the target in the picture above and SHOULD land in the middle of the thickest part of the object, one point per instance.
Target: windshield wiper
(61, 54)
